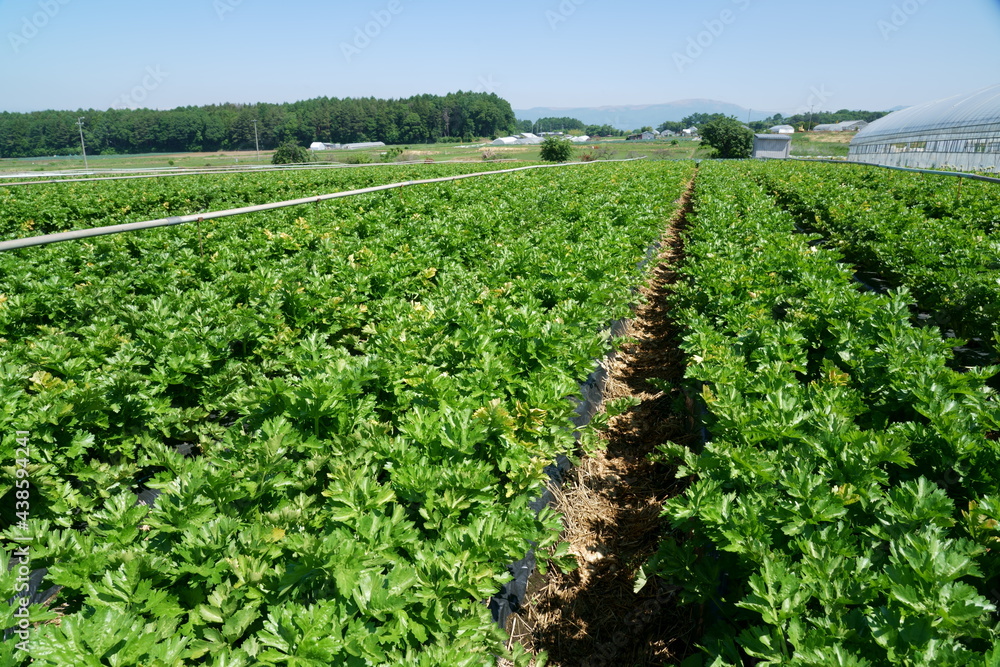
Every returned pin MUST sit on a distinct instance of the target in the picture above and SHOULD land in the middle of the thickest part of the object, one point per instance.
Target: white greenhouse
(526, 139)
(960, 132)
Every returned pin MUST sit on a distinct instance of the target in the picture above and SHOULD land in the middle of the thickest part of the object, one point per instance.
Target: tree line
(459, 116)
(567, 124)
(805, 121)
(810, 120)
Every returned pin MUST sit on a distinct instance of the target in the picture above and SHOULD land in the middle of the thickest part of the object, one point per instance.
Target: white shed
(774, 146)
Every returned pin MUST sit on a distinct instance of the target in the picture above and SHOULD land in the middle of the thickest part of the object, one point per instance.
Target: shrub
(391, 153)
(555, 149)
(358, 158)
(490, 154)
(729, 138)
(603, 153)
(291, 153)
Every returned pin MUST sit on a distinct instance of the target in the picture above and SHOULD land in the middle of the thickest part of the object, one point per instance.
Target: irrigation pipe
(956, 174)
(198, 217)
(261, 169)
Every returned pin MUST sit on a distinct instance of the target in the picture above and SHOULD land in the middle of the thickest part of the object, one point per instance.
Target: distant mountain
(631, 117)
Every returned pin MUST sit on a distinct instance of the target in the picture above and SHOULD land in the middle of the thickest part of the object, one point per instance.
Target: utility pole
(256, 140)
(809, 126)
(82, 145)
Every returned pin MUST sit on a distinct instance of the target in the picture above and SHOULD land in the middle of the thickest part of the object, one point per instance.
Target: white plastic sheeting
(960, 132)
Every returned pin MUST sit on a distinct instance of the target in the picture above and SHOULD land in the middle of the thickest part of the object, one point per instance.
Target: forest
(420, 119)
(806, 120)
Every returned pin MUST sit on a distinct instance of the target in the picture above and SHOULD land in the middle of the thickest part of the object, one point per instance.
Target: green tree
(557, 124)
(603, 131)
(699, 119)
(290, 153)
(555, 149)
(673, 126)
(729, 138)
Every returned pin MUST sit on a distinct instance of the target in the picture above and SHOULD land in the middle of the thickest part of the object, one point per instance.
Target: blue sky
(774, 55)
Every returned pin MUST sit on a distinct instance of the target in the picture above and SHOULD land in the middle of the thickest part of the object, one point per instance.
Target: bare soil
(612, 506)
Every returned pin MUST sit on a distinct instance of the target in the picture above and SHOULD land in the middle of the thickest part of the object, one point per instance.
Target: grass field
(601, 148)
(803, 144)
(821, 144)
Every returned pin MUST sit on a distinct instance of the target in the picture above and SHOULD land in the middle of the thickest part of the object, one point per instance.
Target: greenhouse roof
(981, 108)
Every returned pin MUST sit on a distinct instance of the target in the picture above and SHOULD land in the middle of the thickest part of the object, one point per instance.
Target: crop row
(346, 411)
(56, 207)
(937, 236)
(844, 508)
(972, 203)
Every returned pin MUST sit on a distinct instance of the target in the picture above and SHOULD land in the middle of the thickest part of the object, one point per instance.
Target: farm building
(320, 146)
(961, 132)
(365, 144)
(690, 132)
(842, 126)
(645, 136)
(782, 129)
(580, 140)
(526, 139)
(775, 146)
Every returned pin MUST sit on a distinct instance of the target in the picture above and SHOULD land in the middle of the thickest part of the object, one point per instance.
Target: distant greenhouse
(842, 126)
(960, 132)
(526, 139)
(320, 146)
